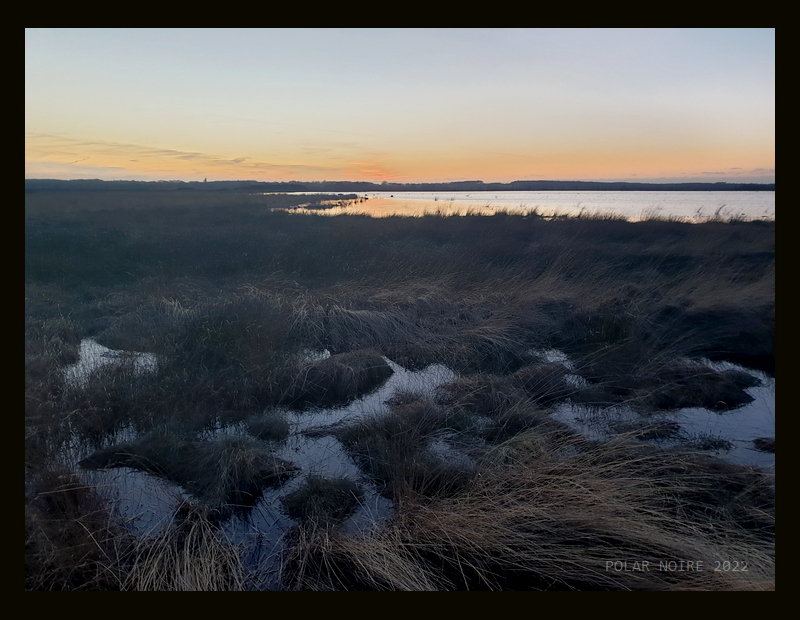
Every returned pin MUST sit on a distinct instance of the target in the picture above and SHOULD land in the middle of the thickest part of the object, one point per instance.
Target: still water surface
(692, 206)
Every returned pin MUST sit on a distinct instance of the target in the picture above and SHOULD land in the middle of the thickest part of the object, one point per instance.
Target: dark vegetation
(765, 444)
(322, 500)
(53, 185)
(235, 298)
(223, 473)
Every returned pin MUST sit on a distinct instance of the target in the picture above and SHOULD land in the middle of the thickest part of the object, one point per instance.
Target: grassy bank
(236, 296)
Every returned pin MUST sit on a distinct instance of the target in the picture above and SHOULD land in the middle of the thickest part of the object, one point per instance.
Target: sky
(401, 105)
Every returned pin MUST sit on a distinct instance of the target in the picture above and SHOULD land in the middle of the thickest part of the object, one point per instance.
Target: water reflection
(694, 426)
(690, 206)
(94, 356)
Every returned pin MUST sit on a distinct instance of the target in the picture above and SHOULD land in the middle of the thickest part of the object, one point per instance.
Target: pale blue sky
(406, 105)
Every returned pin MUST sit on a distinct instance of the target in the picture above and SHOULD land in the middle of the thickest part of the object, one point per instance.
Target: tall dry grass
(191, 555)
(547, 514)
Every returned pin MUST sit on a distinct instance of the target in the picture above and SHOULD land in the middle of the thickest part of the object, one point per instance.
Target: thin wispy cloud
(58, 149)
(372, 171)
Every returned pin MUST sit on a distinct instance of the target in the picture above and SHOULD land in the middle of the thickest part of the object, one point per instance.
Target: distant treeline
(91, 185)
(39, 185)
(521, 186)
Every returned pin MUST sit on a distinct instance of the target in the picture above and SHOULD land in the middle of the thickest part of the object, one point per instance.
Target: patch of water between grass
(727, 434)
(94, 356)
(148, 503)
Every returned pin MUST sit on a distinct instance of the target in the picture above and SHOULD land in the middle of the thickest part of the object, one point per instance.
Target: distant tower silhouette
(206, 179)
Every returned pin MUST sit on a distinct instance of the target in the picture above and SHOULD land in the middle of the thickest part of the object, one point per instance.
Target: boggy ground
(235, 297)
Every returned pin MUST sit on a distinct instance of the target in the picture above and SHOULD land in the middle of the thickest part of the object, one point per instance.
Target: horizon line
(677, 182)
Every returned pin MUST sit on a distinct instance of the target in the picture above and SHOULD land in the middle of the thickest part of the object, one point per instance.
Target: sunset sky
(401, 105)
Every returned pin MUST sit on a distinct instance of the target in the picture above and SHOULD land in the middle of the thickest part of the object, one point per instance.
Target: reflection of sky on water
(694, 206)
(94, 356)
(146, 503)
(738, 426)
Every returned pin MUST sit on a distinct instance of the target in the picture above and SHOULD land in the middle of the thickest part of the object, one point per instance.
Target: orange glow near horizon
(107, 159)
(579, 165)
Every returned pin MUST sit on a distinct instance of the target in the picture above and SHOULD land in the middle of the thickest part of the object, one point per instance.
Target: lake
(692, 206)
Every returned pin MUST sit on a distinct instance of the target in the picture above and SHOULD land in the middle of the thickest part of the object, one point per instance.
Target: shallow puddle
(694, 426)
(94, 356)
(145, 503)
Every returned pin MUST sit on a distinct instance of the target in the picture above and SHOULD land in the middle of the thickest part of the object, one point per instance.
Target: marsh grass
(546, 384)
(230, 294)
(191, 555)
(336, 380)
(619, 375)
(393, 449)
(537, 519)
(690, 386)
(71, 541)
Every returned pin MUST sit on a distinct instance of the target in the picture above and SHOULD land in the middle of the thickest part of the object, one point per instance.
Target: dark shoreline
(43, 185)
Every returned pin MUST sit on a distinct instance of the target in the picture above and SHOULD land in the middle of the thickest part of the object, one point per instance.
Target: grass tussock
(322, 500)
(394, 450)
(691, 386)
(634, 373)
(544, 383)
(504, 406)
(223, 472)
(337, 380)
(71, 541)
